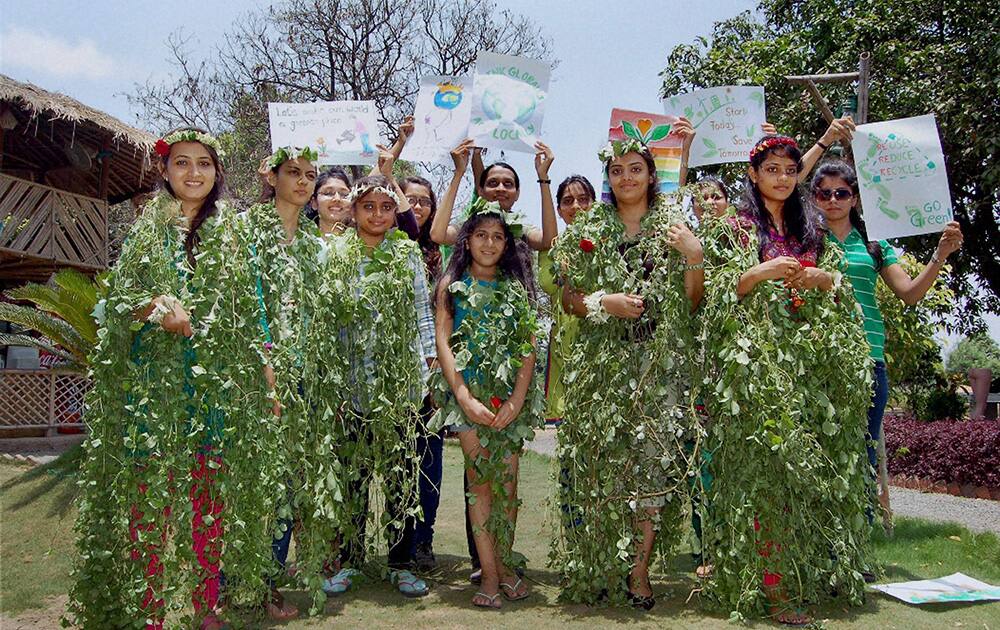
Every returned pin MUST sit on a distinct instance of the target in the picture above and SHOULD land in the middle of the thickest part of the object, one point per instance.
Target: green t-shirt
(861, 272)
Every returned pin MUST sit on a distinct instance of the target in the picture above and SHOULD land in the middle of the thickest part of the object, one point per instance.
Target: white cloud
(37, 51)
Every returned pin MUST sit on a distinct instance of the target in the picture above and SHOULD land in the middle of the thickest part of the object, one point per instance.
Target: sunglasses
(840, 194)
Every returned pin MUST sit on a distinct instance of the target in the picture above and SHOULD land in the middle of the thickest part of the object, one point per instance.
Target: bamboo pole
(823, 78)
(821, 103)
(864, 68)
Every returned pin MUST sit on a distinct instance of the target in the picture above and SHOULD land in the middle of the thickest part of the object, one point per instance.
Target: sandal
(408, 584)
(642, 602)
(278, 609)
(493, 601)
(792, 617)
(511, 593)
(704, 571)
(339, 583)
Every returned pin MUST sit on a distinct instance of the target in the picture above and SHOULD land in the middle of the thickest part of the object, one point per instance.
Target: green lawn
(36, 546)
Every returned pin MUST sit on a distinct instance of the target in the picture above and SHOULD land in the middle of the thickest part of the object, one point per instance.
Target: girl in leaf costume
(156, 501)
(786, 387)
(490, 395)
(390, 342)
(633, 274)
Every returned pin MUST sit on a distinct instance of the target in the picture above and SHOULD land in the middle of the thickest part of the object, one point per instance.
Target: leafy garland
(629, 405)
(787, 385)
(495, 336)
(378, 443)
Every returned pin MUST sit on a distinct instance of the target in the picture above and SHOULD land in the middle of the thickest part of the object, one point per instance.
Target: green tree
(936, 57)
(975, 351)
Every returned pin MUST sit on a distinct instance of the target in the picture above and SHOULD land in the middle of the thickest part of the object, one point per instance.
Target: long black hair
(515, 262)
(430, 249)
(712, 180)
(209, 204)
(801, 217)
(486, 173)
(843, 170)
(654, 185)
(575, 179)
(334, 172)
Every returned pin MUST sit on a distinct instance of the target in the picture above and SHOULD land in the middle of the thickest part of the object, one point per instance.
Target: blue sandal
(339, 583)
(408, 584)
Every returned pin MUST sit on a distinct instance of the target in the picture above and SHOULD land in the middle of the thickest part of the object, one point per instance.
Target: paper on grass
(956, 587)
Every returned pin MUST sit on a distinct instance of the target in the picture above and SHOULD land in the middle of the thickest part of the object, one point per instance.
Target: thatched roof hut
(61, 164)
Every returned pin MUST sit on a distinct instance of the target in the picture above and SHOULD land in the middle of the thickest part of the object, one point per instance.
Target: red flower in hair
(496, 402)
(161, 147)
(586, 245)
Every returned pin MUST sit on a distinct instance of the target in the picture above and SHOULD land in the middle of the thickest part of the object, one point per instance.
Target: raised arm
(912, 290)
(841, 129)
(685, 130)
(442, 232)
(477, 168)
(541, 240)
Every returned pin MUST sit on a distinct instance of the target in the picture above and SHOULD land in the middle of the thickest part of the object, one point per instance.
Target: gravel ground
(979, 515)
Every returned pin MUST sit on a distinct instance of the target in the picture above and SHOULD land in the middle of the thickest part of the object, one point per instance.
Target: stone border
(924, 484)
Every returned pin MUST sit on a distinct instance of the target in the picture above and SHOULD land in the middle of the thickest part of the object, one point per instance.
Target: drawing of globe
(448, 97)
(509, 106)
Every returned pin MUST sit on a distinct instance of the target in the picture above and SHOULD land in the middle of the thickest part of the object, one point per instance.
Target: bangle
(822, 146)
(545, 181)
(935, 260)
(595, 310)
(694, 267)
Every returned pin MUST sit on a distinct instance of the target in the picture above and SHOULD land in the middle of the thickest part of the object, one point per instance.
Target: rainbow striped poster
(653, 130)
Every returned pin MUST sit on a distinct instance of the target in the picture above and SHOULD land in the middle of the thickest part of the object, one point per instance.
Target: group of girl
(260, 374)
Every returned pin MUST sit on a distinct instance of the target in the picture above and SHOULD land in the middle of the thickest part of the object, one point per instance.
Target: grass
(36, 518)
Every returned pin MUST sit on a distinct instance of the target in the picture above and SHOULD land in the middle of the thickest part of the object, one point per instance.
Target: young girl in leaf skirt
(791, 371)
(391, 348)
(633, 275)
(486, 330)
(150, 406)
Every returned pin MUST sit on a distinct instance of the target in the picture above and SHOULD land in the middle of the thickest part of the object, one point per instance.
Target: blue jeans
(431, 449)
(279, 549)
(880, 397)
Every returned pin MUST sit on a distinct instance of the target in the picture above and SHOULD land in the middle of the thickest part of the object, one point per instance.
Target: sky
(610, 55)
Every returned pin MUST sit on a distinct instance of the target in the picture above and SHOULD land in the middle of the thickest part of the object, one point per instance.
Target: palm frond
(49, 325)
(72, 299)
(26, 340)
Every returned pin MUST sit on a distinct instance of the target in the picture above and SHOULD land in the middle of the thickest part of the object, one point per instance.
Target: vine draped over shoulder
(787, 385)
(629, 401)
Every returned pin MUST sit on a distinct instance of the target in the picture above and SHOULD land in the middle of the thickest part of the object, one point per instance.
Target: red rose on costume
(807, 263)
(496, 402)
(586, 245)
(162, 148)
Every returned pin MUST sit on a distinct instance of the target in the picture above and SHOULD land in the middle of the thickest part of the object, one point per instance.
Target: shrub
(963, 452)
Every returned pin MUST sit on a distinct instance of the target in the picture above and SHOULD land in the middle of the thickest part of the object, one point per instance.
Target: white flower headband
(359, 192)
(618, 148)
(162, 146)
(284, 154)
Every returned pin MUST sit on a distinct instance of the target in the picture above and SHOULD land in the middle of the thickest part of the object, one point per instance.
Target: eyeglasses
(840, 194)
(715, 197)
(568, 200)
(419, 201)
(334, 194)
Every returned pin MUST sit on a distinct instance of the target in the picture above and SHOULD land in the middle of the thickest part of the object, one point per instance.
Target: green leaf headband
(284, 154)
(162, 146)
(357, 193)
(618, 148)
(514, 221)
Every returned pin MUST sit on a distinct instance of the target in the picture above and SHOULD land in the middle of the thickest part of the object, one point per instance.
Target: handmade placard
(726, 121)
(342, 132)
(902, 177)
(956, 587)
(441, 119)
(653, 130)
(508, 101)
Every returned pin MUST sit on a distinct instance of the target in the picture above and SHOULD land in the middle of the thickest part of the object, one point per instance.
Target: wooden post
(820, 101)
(51, 431)
(102, 190)
(864, 67)
(883, 477)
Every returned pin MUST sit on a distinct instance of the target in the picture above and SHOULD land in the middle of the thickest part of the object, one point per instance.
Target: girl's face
(629, 178)
(190, 171)
(331, 202)
(487, 243)
(501, 187)
(294, 182)
(715, 202)
(419, 197)
(776, 177)
(375, 214)
(575, 198)
(835, 198)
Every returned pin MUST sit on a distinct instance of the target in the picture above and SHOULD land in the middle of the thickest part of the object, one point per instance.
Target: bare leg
(479, 512)
(980, 379)
(639, 579)
(513, 589)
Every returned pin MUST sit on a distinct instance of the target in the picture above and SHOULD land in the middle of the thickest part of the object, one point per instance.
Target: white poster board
(726, 121)
(902, 177)
(441, 119)
(342, 132)
(508, 101)
(956, 587)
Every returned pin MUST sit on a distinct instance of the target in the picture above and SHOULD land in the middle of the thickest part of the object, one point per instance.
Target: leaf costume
(629, 405)
(787, 384)
(495, 329)
(166, 413)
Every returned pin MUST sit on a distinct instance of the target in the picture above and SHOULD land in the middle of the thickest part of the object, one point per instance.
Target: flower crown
(359, 192)
(515, 221)
(618, 148)
(162, 146)
(771, 142)
(284, 154)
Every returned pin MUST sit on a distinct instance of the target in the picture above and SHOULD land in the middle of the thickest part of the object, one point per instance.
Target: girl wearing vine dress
(485, 324)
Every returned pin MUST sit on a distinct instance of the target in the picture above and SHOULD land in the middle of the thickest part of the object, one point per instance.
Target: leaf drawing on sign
(750, 131)
(712, 149)
(756, 97)
(630, 130)
(659, 133)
